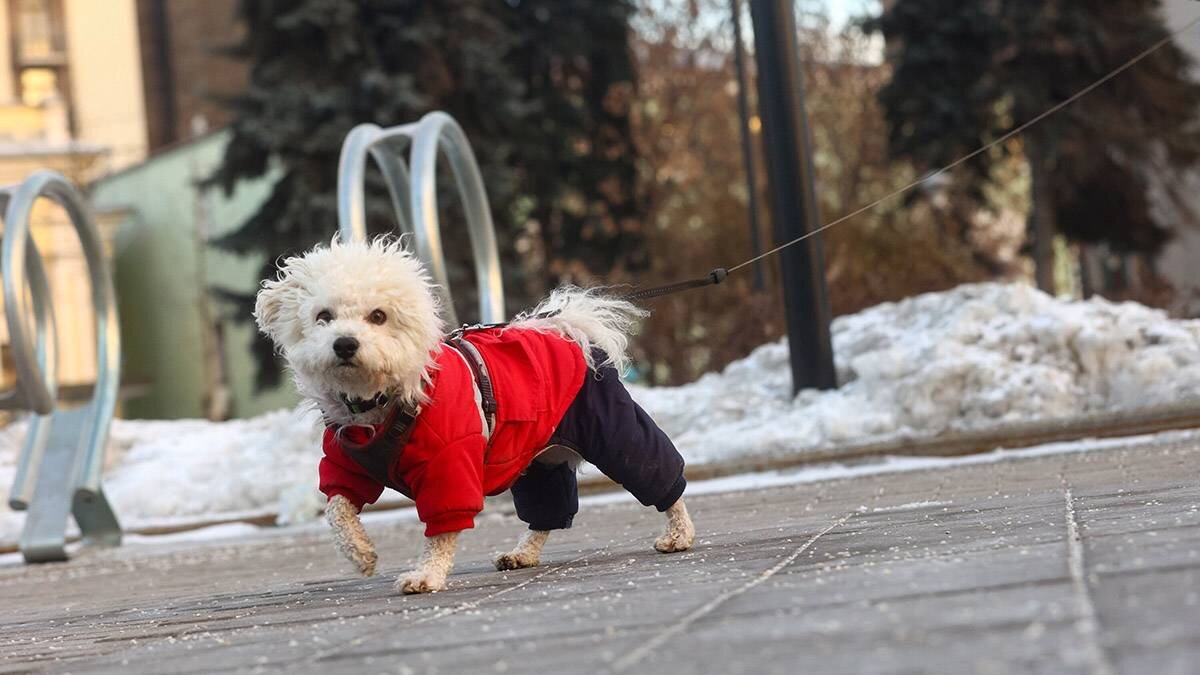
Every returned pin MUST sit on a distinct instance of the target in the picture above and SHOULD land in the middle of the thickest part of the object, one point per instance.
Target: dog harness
(380, 454)
(485, 396)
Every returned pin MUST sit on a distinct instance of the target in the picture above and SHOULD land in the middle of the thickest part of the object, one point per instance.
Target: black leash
(711, 279)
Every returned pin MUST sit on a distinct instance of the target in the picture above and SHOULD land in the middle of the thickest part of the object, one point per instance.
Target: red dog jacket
(447, 464)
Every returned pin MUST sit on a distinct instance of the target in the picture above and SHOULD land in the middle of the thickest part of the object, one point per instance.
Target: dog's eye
(377, 317)
(324, 316)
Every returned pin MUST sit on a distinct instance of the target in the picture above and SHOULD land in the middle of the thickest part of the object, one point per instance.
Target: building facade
(183, 350)
(90, 88)
(70, 100)
(185, 68)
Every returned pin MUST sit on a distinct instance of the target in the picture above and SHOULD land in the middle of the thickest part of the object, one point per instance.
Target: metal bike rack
(58, 472)
(414, 198)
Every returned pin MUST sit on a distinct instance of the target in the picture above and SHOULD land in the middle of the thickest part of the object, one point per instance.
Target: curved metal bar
(32, 456)
(388, 155)
(439, 130)
(385, 147)
(58, 473)
(414, 198)
(351, 206)
(45, 364)
(54, 186)
(35, 360)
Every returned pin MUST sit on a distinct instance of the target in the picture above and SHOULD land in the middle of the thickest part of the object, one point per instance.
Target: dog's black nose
(345, 347)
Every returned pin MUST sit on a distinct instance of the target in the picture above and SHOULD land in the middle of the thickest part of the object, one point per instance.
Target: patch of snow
(972, 357)
(969, 358)
(210, 533)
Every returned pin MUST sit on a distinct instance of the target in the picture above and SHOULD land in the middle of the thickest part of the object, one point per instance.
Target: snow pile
(968, 358)
(162, 473)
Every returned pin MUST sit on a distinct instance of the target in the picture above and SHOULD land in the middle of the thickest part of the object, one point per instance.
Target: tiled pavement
(1082, 562)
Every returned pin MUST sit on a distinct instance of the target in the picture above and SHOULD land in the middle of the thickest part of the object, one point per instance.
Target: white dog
(447, 421)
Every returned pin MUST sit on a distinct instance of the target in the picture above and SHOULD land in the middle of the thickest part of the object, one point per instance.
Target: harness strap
(479, 371)
(378, 455)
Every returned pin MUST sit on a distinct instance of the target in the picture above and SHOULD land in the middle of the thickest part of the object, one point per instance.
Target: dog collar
(358, 406)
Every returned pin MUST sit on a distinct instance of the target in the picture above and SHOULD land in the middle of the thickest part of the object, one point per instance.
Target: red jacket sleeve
(449, 488)
(340, 475)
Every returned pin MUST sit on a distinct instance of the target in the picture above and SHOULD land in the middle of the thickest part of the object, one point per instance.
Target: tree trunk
(1041, 213)
(1091, 270)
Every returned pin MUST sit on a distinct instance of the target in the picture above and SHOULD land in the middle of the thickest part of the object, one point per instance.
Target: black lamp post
(787, 146)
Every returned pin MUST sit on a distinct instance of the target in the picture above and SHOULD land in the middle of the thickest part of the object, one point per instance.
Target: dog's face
(353, 319)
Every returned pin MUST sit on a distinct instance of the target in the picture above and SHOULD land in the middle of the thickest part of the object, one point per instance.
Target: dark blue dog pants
(607, 428)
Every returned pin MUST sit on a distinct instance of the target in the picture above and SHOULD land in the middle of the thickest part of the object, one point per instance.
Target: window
(39, 50)
(38, 32)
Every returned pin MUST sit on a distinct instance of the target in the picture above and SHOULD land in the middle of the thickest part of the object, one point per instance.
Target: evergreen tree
(966, 72)
(540, 88)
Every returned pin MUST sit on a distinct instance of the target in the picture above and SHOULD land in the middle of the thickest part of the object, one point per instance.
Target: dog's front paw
(349, 535)
(364, 558)
(516, 560)
(421, 581)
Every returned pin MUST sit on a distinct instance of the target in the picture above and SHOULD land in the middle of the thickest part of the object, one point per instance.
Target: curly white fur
(589, 318)
(350, 281)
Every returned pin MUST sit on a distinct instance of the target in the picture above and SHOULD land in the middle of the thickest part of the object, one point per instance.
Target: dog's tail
(590, 318)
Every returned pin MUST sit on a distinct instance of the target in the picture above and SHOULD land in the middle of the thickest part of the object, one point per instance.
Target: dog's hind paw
(421, 581)
(515, 560)
(673, 542)
(680, 532)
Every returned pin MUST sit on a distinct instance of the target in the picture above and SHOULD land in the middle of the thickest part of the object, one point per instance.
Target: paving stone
(1079, 562)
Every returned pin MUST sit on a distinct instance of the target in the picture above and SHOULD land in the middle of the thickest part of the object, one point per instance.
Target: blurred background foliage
(608, 134)
(982, 68)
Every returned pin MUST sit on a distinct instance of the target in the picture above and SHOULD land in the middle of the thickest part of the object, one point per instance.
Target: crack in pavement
(681, 624)
(1088, 623)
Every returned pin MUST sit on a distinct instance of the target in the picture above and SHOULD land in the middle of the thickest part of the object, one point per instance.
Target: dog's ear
(277, 310)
